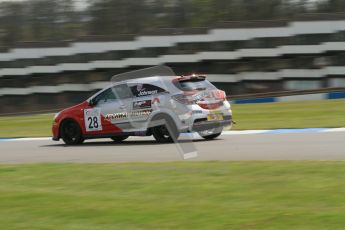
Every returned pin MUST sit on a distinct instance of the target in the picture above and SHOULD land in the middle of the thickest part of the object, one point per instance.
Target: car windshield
(194, 84)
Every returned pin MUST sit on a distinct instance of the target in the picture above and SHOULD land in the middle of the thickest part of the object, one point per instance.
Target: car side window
(141, 90)
(104, 97)
(122, 91)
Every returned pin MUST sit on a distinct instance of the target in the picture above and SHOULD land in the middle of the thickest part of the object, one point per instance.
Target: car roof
(158, 78)
(161, 81)
(152, 79)
(144, 80)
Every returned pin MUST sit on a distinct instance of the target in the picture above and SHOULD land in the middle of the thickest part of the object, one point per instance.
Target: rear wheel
(119, 138)
(161, 132)
(71, 133)
(211, 133)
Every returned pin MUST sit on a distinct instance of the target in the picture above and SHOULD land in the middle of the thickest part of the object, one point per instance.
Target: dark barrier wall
(239, 57)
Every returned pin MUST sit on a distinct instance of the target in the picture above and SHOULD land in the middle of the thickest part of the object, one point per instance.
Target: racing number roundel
(92, 119)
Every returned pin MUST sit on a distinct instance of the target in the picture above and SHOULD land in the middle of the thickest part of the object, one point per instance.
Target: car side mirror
(92, 102)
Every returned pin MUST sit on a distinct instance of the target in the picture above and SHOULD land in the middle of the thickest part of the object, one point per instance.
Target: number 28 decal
(92, 118)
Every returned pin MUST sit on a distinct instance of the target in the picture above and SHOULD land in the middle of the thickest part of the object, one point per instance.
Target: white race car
(162, 106)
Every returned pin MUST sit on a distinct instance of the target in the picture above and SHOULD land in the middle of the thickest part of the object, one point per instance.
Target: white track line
(29, 139)
(333, 130)
(195, 135)
(243, 132)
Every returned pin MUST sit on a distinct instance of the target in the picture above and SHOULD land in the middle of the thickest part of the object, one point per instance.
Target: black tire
(71, 133)
(161, 132)
(119, 138)
(216, 133)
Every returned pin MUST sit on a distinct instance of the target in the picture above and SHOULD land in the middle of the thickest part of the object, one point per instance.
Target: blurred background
(57, 53)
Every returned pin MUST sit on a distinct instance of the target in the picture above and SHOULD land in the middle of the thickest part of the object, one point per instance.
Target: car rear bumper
(201, 125)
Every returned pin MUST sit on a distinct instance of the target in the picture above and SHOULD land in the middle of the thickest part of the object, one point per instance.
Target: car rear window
(194, 84)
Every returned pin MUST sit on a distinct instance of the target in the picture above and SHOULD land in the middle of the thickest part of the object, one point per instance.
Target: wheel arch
(167, 113)
(164, 115)
(66, 119)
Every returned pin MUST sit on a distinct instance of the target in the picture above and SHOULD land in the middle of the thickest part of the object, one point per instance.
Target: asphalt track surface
(288, 146)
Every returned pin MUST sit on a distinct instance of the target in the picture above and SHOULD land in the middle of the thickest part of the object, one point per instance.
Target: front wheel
(211, 133)
(71, 133)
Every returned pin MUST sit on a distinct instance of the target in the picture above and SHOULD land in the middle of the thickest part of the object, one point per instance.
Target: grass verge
(26, 126)
(178, 195)
(303, 114)
(300, 114)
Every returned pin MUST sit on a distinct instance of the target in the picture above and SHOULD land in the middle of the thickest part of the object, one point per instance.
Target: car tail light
(187, 100)
(217, 100)
(203, 102)
(220, 94)
(214, 105)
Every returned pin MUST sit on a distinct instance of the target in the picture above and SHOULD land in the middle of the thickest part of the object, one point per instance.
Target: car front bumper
(55, 131)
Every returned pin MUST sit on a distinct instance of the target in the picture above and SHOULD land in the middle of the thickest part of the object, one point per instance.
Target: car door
(144, 95)
(120, 113)
(97, 118)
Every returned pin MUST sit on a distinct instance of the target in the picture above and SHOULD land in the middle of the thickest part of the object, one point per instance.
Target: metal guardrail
(286, 93)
